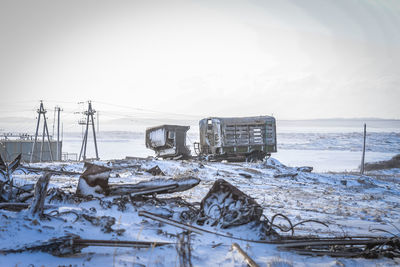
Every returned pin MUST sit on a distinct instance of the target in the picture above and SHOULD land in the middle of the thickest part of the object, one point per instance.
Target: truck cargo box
(245, 138)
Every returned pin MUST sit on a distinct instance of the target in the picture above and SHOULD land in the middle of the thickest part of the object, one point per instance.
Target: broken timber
(37, 206)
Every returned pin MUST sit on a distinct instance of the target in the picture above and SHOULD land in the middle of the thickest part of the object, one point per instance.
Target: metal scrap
(6, 179)
(156, 171)
(94, 180)
(168, 141)
(226, 206)
(158, 185)
(72, 244)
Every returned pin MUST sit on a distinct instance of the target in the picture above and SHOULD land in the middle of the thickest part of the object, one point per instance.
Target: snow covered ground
(333, 193)
(335, 147)
(349, 203)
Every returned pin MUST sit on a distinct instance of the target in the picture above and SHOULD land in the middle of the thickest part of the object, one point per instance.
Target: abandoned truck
(168, 141)
(237, 139)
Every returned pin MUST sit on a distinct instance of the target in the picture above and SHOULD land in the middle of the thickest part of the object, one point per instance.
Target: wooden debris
(246, 257)
(37, 206)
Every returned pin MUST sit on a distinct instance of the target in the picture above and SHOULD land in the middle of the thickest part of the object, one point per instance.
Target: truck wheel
(255, 155)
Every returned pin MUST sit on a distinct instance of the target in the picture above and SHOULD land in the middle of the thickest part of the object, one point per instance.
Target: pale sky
(293, 59)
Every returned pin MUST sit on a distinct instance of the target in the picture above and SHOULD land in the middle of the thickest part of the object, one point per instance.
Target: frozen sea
(326, 145)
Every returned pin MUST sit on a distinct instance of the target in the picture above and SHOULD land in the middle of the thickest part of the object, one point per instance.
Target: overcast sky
(293, 59)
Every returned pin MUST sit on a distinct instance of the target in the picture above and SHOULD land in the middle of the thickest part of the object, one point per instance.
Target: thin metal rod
(157, 189)
(119, 243)
(246, 257)
(170, 222)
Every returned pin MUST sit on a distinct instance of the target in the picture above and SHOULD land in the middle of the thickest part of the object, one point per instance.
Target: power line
(148, 110)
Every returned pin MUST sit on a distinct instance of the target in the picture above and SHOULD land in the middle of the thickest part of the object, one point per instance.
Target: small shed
(168, 141)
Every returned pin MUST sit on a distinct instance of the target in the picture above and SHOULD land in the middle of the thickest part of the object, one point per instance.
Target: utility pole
(58, 134)
(41, 111)
(89, 121)
(363, 153)
(54, 119)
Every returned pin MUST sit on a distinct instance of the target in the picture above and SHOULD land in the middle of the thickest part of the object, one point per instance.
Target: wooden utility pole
(89, 121)
(41, 111)
(363, 153)
(58, 134)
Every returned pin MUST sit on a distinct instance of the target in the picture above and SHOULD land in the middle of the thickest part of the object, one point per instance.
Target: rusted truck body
(168, 141)
(238, 139)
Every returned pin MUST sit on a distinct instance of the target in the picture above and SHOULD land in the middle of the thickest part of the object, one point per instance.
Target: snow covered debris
(94, 181)
(346, 203)
(226, 206)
